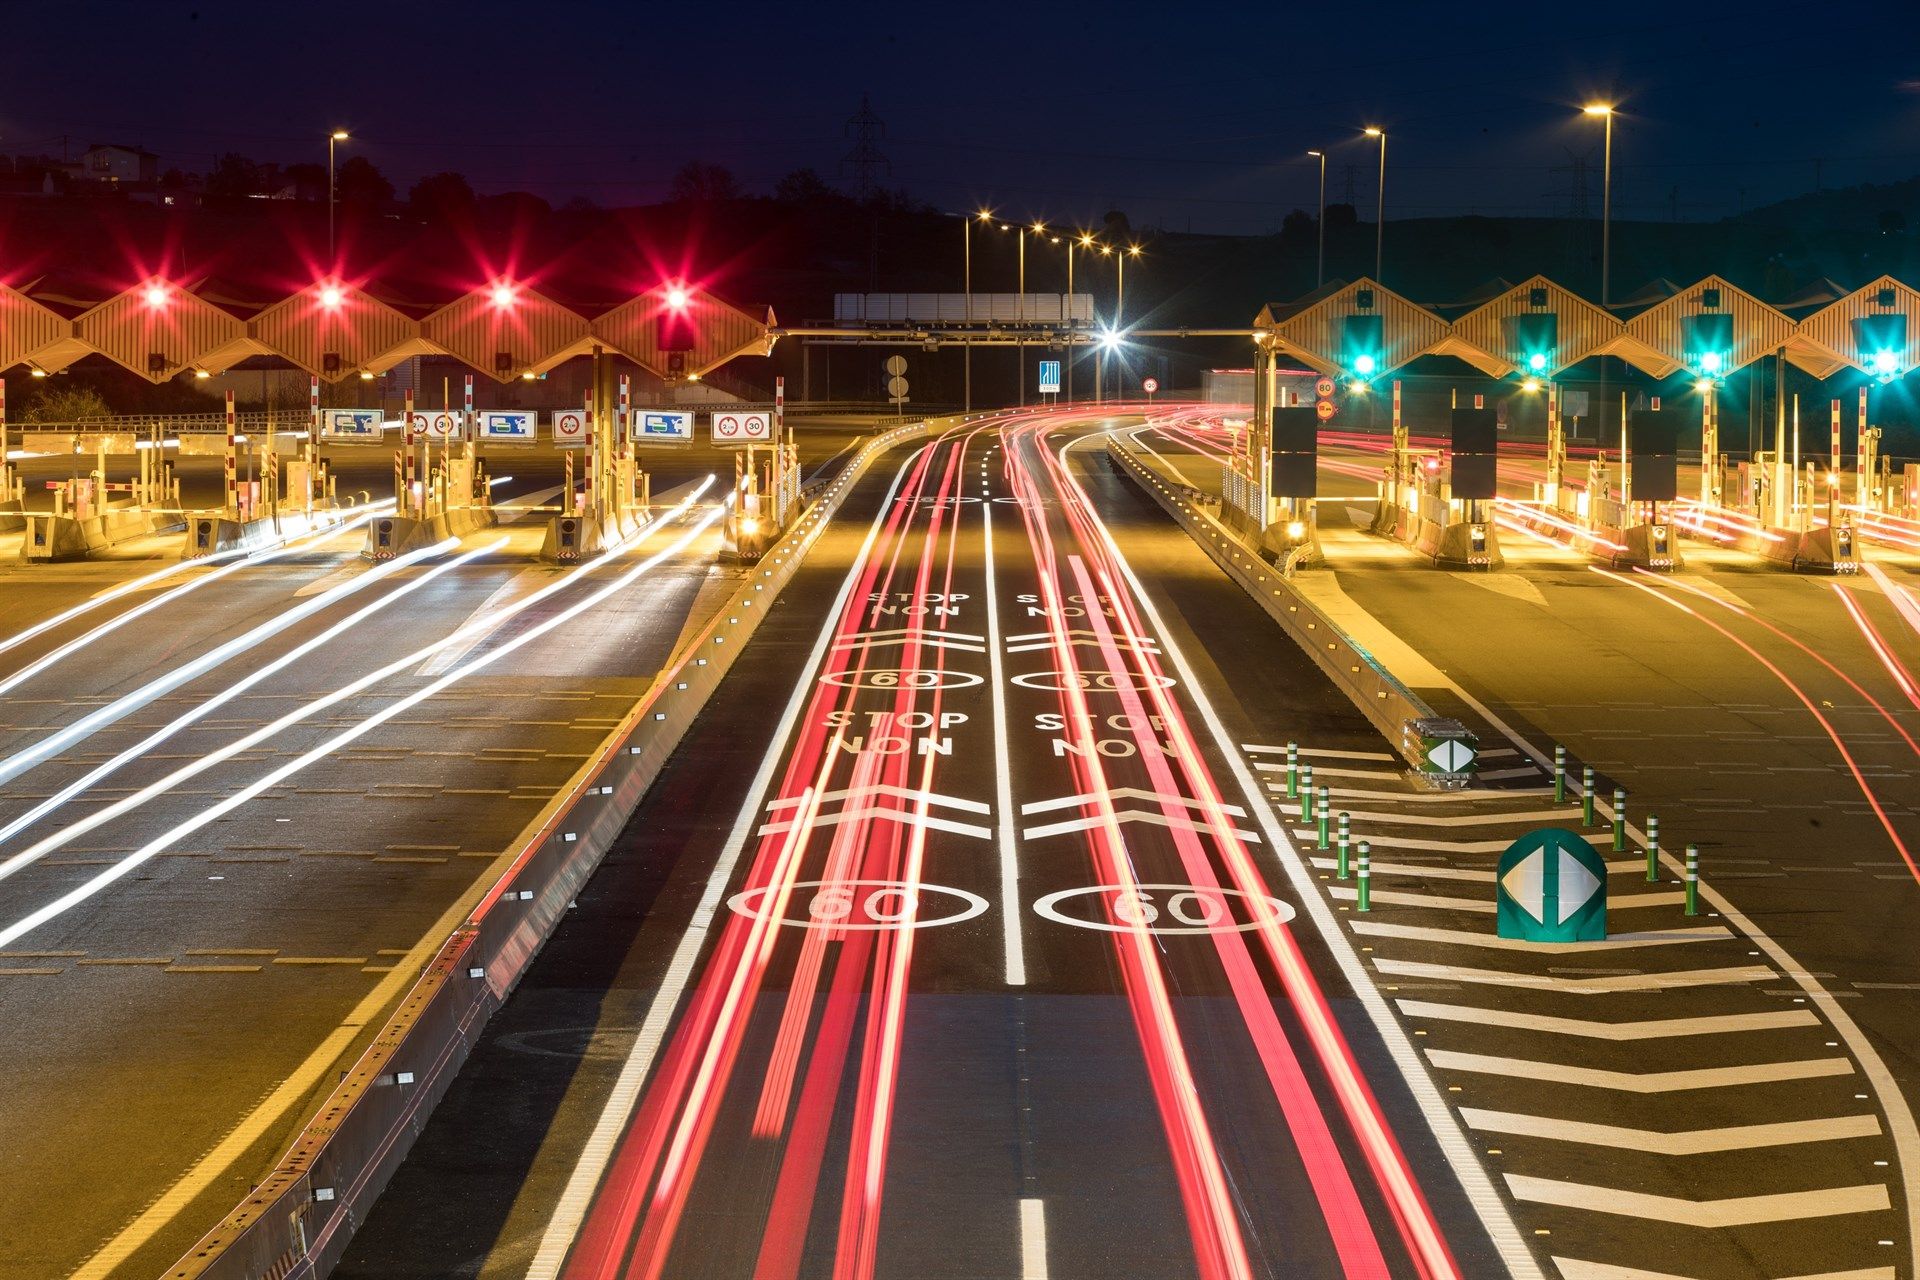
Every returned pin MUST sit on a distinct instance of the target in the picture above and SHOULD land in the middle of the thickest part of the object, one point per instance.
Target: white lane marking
(906, 817)
(571, 1208)
(1033, 1240)
(1687, 1142)
(1134, 793)
(1325, 752)
(1012, 941)
(1463, 938)
(510, 591)
(1434, 902)
(1430, 846)
(1579, 986)
(1435, 797)
(1130, 815)
(1501, 775)
(1515, 1252)
(1738, 1211)
(1641, 1081)
(885, 789)
(1424, 871)
(1648, 1029)
(1447, 820)
(1575, 1269)
(1328, 771)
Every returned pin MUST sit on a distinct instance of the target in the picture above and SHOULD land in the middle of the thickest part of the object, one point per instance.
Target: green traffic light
(1537, 361)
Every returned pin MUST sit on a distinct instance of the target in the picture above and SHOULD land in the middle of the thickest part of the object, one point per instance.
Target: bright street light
(1320, 225)
(1380, 205)
(334, 139)
(1604, 111)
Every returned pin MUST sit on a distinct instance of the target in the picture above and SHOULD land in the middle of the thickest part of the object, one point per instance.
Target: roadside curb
(301, 1216)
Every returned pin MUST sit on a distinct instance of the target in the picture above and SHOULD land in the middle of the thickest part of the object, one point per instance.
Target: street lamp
(333, 140)
(1320, 224)
(1604, 110)
(1380, 207)
(984, 216)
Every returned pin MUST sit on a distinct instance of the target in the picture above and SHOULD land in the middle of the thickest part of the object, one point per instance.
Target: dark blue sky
(1181, 114)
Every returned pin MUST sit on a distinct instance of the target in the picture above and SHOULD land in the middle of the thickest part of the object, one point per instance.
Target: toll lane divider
(301, 1216)
(1388, 704)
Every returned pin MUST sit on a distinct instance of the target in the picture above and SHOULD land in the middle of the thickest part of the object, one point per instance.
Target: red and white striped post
(408, 501)
(399, 480)
(232, 462)
(781, 462)
(572, 504)
(593, 445)
(1399, 448)
(1833, 451)
(623, 442)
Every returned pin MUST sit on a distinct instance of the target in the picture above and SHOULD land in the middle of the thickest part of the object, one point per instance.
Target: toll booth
(1293, 485)
(1646, 538)
(1468, 539)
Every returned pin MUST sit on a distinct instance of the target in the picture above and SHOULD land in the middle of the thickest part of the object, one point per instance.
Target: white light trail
(220, 699)
(465, 634)
(153, 848)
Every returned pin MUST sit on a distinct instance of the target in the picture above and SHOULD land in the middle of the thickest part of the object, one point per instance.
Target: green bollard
(1340, 864)
(1324, 810)
(1653, 847)
(1619, 819)
(1586, 795)
(1365, 890)
(1293, 771)
(1306, 792)
(1693, 879)
(1559, 775)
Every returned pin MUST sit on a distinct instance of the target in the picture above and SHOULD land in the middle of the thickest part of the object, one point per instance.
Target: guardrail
(1387, 703)
(299, 1219)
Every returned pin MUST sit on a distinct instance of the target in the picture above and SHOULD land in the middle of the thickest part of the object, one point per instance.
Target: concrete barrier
(392, 535)
(299, 1219)
(66, 537)
(209, 533)
(1387, 704)
(13, 515)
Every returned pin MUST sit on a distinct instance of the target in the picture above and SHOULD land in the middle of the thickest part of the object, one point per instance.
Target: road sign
(570, 428)
(732, 427)
(509, 425)
(897, 388)
(1325, 409)
(1551, 887)
(1323, 388)
(896, 365)
(1049, 377)
(663, 426)
(1150, 386)
(442, 426)
(416, 425)
(352, 424)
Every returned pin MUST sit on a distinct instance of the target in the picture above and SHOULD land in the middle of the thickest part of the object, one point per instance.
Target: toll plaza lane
(182, 975)
(982, 968)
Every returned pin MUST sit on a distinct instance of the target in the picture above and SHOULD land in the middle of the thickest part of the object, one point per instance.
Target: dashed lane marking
(1738, 1211)
(1641, 1081)
(1689, 1142)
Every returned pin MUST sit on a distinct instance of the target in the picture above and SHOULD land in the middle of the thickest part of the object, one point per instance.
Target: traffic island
(55, 536)
(213, 532)
(1828, 549)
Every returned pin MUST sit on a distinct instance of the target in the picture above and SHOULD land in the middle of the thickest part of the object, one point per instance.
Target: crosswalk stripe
(1693, 1142)
(1463, 938)
(1575, 1269)
(1641, 1081)
(1579, 986)
(1654, 1029)
(1738, 1211)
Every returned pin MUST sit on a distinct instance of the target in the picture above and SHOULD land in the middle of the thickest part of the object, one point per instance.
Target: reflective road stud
(1619, 819)
(1653, 846)
(1322, 809)
(1293, 771)
(1586, 796)
(1364, 893)
(1693, 879)
(1340, 866)
(1306, 792)
(1559, 775)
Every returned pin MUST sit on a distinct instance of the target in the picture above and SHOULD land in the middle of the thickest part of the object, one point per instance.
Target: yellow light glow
(1374, 131)
(201, 373)
(1133, 251)
(749, 525)
(1316, 154)
(986, 215)
(366, 375)
(1531, 384)
(1597, 109)
(339, 135)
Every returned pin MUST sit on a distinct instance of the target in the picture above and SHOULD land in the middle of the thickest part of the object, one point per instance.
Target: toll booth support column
(1556, 448)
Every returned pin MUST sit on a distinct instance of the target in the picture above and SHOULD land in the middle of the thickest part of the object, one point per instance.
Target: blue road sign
(1049, 377)
(1552, 887)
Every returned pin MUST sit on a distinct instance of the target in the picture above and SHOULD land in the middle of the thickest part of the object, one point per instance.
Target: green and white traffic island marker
(1551, 886)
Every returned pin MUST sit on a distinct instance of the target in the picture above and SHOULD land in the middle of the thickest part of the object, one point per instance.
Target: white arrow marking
(1692, 1142)
(1464, 938)
(883, 789)
(1131, 793)
(1652, 1029)
(1581, 986)
(1577, 885)
(1130, 815)
(1575, 1269)
(1451, 755)
(1739, 1211)
(891, 815)
(1641, 1081)
(1526, 884)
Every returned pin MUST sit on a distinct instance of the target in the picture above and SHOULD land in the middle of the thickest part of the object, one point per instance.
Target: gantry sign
(160, 328)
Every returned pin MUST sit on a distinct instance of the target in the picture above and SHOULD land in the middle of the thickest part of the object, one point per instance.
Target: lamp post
(1082, 241)
(1320, 225)
(1604, 110)
(984, 215)
(1380, 205)
(1120, 294)
(333, 139)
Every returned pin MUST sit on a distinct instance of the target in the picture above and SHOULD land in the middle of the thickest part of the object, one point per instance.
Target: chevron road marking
(1447, 820)
(1463, 938)
(1320, 752)
(1654, 1029)
(1739, 1211)
(884, 789)
(1641, 1081)
(1091, 639)
(1413, 842)
(1438, 872)
(1130, 815)
(1692, 1142)
(1328, 771)
(959, 640)
(1575, 1269)
(1422, 797)
(1131, 793)
(1578, 986)
(894, 815)
(1401, 898)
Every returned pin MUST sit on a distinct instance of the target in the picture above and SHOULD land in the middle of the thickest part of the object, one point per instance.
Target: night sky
(1182, 115)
